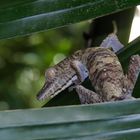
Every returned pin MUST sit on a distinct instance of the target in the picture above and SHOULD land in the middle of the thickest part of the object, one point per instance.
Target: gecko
(103, 68)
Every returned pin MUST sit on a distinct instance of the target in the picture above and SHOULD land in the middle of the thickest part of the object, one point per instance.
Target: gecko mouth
(48, 92)
(42, 93)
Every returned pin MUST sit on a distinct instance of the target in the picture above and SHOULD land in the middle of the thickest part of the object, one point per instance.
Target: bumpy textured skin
(103, 65)
(107, 77)
(104, 71)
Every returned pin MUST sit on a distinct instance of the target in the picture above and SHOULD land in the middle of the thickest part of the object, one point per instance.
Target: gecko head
(48, 89)
(53, 85)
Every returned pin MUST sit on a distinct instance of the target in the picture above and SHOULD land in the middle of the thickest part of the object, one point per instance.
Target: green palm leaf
(109, 121)
(25, 17)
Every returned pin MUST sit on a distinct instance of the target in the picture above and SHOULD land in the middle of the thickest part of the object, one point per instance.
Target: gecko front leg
(81, 71)
(132, 75)
(87, 96)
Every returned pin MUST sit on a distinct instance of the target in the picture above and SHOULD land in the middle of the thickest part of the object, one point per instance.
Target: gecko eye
(50, 73)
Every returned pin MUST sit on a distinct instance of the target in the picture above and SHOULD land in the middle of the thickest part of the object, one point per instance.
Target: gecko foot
(87, 96)
(136, 60)
(134, 69)
(133, 73)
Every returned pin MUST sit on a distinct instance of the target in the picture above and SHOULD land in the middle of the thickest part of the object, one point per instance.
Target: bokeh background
(23, 61)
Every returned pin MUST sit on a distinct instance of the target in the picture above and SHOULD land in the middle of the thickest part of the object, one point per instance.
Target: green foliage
(23, 61)
(25, 17)
(106, 121)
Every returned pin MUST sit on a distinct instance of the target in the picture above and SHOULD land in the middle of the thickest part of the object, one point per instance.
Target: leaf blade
(74, 122)
(34, 16)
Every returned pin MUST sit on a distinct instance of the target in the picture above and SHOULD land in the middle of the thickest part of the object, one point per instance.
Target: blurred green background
(23, 61)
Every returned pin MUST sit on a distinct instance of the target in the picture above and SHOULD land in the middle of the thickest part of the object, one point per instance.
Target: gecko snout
(44, 92)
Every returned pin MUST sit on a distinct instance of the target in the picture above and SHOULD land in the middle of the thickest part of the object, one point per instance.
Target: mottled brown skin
(107, 77)
(103, 68)
(104, 71)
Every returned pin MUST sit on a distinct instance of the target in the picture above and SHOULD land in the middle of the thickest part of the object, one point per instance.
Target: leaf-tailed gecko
(102, 67)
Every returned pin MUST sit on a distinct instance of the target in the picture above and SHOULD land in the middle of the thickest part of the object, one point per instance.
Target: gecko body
(105, 73)
(104, 70)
